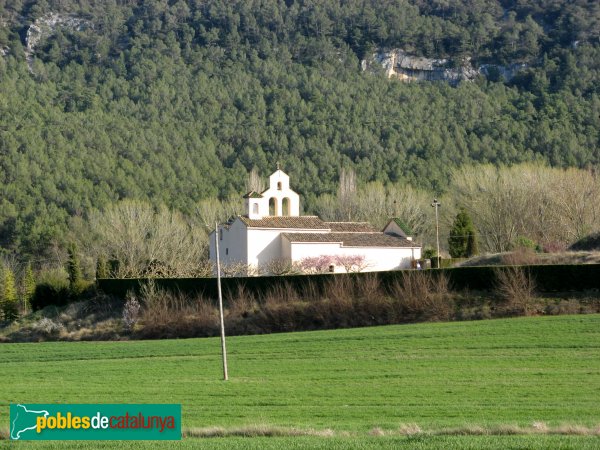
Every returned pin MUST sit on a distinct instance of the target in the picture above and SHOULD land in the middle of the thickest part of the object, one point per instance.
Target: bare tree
(376, 204)
(347, 194)
(547, 205)
(255, 182)
(148, 241)
(212, 210)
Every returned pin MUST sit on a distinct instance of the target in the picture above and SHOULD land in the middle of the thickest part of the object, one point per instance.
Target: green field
(442, 377)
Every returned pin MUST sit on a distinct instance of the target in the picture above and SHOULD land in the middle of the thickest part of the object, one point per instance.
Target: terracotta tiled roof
(376, 239)
(300, 222)
(350, 227)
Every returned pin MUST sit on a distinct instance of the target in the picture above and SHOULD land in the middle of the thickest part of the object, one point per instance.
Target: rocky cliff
(400, 65)
(45, 26)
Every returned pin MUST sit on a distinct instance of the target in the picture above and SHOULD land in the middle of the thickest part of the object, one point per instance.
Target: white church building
(273, 232)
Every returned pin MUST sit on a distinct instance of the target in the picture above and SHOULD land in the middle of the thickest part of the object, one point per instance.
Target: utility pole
(437, 205)
(223, 347)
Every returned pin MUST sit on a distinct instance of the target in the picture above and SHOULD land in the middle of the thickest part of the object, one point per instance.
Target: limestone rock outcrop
(400, 65)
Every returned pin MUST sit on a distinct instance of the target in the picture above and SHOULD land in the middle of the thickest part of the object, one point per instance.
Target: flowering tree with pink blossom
(351, 263)
(316, 264)
(323, 263)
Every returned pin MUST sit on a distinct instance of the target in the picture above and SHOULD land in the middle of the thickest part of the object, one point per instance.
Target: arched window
(279, 185)
(285, 207)
(255, 208)
(273, 207)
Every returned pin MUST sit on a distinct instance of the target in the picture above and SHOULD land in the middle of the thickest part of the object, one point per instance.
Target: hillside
(174, 102)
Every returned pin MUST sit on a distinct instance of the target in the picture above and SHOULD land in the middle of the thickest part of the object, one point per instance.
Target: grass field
(358, 388)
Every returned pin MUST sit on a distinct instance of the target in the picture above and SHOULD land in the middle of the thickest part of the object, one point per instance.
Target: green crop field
(463, 385)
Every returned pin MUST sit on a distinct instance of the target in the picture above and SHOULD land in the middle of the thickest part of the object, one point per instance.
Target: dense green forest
(173, 102)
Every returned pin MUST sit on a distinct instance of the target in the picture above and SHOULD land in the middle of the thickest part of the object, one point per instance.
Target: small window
(255, 208)
(220, 235)
(332, 268)
(279, 185)
(227, 251)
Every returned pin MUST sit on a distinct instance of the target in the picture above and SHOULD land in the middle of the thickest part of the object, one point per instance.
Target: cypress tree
(27, 287)
(101, 267)
(462, 242)
(73, 267)
(9, 295)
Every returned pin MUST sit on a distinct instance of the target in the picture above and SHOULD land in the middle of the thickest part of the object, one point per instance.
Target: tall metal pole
(223, 347)
(436, 205)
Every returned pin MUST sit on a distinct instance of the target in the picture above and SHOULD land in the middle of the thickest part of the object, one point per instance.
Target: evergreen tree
(27, 287)
(101, 267)
(10, 310)
(73, 267)
(462, 242)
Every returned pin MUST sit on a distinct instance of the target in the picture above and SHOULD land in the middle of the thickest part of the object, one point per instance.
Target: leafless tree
(376, 204)
(347, 194)
(255, 182)
(148, 241)
(547, 205)
(212, 210)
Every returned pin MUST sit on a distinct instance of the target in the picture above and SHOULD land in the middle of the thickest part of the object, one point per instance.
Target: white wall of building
(264, 246)
(233, 245)
(376, 258)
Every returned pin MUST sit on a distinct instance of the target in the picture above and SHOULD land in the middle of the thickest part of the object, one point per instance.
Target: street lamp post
(436, 205)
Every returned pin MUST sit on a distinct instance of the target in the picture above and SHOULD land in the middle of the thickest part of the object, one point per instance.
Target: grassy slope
(436, 375)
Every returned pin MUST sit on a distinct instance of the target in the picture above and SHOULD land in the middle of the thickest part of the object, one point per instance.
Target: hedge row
(549, 278)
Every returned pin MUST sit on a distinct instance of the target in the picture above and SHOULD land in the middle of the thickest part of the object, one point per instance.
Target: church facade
(272, 232)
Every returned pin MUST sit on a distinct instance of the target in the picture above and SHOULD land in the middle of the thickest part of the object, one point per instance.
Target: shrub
(166, 315)
(48, 326)
(367, 287)
(428, 253)
(47, 294)
(554, 247)
(525, 242)
(131, 312)
(522, 256)
(52, 289)
(516, 287)
(590, 242)
(422, 295)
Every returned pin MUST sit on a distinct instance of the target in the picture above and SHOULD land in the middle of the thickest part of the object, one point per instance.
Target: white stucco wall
(233, 247)
(376, 258)
(264, 246)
